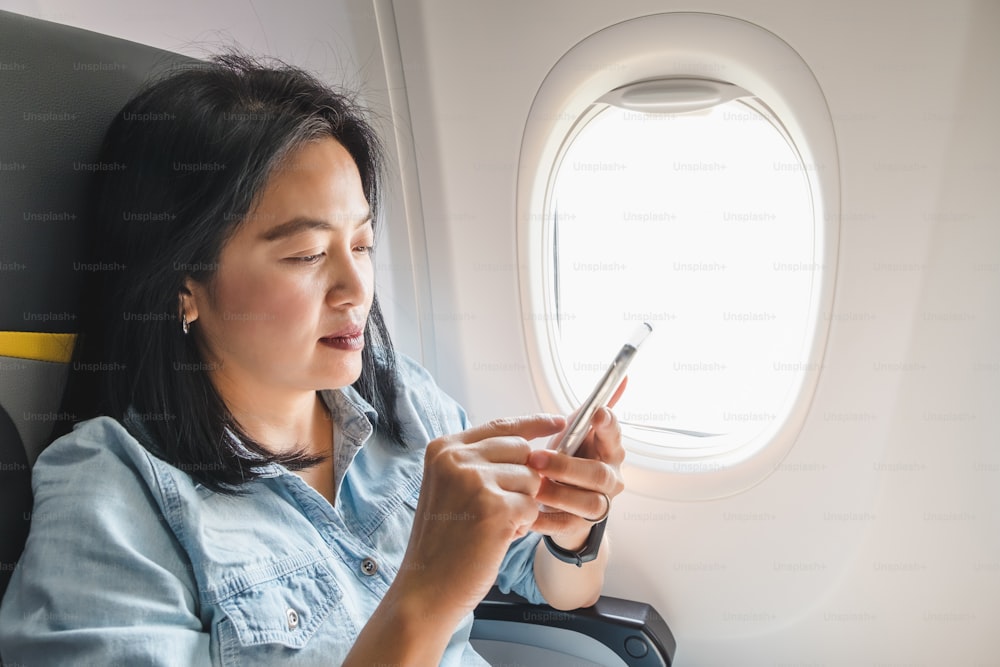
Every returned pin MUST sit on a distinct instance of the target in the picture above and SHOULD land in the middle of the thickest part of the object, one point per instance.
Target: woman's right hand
(477, 497)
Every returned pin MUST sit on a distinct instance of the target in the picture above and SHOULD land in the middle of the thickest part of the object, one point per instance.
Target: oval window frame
(682, 45)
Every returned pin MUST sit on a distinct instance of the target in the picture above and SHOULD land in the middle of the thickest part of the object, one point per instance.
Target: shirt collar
(348, 410)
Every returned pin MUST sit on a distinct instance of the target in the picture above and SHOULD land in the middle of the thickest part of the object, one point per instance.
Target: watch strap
(584, 554)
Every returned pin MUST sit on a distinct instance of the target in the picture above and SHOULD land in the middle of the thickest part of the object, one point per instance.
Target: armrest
(625, 632)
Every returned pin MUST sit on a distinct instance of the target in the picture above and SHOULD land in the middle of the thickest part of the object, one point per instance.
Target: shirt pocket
(297, 618)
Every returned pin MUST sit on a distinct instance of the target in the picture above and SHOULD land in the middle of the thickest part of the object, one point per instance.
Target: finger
(528, 427)
(605, 440)
(517, 479)
(556, 524)
(589, 505)
(523, 513)
(618, 392)
(587, 474)
(554, 443)
(505, 449)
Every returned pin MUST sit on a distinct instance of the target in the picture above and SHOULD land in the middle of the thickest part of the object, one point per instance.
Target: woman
(258, 477)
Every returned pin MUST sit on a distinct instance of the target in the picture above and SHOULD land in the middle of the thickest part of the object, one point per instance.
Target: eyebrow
(303, 224)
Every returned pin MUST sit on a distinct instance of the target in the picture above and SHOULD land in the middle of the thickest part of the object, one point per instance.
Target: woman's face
(287, 307)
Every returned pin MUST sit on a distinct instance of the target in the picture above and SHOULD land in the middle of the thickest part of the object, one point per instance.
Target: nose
(350, 281)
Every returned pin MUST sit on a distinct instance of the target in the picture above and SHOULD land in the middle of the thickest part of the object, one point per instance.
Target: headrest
(59, 88)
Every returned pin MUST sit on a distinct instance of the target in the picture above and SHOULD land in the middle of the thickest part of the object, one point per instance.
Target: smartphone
(613, 377)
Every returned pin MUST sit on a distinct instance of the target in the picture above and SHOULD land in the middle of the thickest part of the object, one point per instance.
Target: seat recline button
(636, 647)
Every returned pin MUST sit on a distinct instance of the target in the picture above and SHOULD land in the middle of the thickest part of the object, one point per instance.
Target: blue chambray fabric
(129, 562)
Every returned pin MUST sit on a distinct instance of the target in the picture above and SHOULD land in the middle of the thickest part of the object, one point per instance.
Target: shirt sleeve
(102, 579)
(517, 572)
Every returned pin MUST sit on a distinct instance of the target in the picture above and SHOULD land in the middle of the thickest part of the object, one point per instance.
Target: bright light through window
(703, 225)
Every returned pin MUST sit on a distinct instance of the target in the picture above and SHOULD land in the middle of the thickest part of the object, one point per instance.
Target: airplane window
(702, 224)
(681, 169)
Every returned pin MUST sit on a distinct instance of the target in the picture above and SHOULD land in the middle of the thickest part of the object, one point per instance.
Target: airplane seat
(611, 633)
(59, 88)
(15, 497)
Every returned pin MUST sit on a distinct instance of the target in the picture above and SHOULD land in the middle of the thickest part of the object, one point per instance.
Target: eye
(307, 259)
(364, 249)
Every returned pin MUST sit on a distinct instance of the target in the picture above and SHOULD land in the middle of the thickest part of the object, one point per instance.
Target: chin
(343, 375)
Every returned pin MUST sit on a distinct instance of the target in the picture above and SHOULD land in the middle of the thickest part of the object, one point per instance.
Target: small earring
(184, 323)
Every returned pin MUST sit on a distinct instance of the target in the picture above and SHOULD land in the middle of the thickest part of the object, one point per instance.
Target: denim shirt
(130, 562)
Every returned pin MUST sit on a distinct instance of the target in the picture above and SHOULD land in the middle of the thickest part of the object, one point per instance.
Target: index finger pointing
(528, 427)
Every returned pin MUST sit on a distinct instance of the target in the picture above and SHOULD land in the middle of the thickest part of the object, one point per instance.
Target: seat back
(59, 88)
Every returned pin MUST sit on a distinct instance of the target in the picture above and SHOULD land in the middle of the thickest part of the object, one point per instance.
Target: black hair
(181, 165)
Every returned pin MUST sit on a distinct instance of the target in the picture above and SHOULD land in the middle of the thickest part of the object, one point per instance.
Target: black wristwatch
(584, 554)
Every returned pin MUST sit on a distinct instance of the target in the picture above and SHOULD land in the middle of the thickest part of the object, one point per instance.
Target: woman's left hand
(578, 489)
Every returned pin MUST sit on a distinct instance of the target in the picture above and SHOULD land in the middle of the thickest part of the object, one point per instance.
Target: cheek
(260, 304)
(369, 279)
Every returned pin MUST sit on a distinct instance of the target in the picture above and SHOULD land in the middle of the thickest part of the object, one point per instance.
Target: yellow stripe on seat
(38, 346)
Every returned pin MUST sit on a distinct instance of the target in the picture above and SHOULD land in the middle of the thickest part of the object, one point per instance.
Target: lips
(350, 339)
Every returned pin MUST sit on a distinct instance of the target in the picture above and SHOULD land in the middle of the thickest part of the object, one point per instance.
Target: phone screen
(613, 377)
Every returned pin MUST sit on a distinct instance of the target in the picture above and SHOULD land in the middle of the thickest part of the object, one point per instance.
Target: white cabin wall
(875, 542)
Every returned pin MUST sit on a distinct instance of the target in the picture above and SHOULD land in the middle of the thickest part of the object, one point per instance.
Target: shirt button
(369, 566)
(293, 619)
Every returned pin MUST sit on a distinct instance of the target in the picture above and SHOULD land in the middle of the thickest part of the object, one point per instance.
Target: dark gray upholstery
(59, 89)
(15, 498)
(30, 392)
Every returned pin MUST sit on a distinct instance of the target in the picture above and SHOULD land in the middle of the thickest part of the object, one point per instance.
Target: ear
(187, 301)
